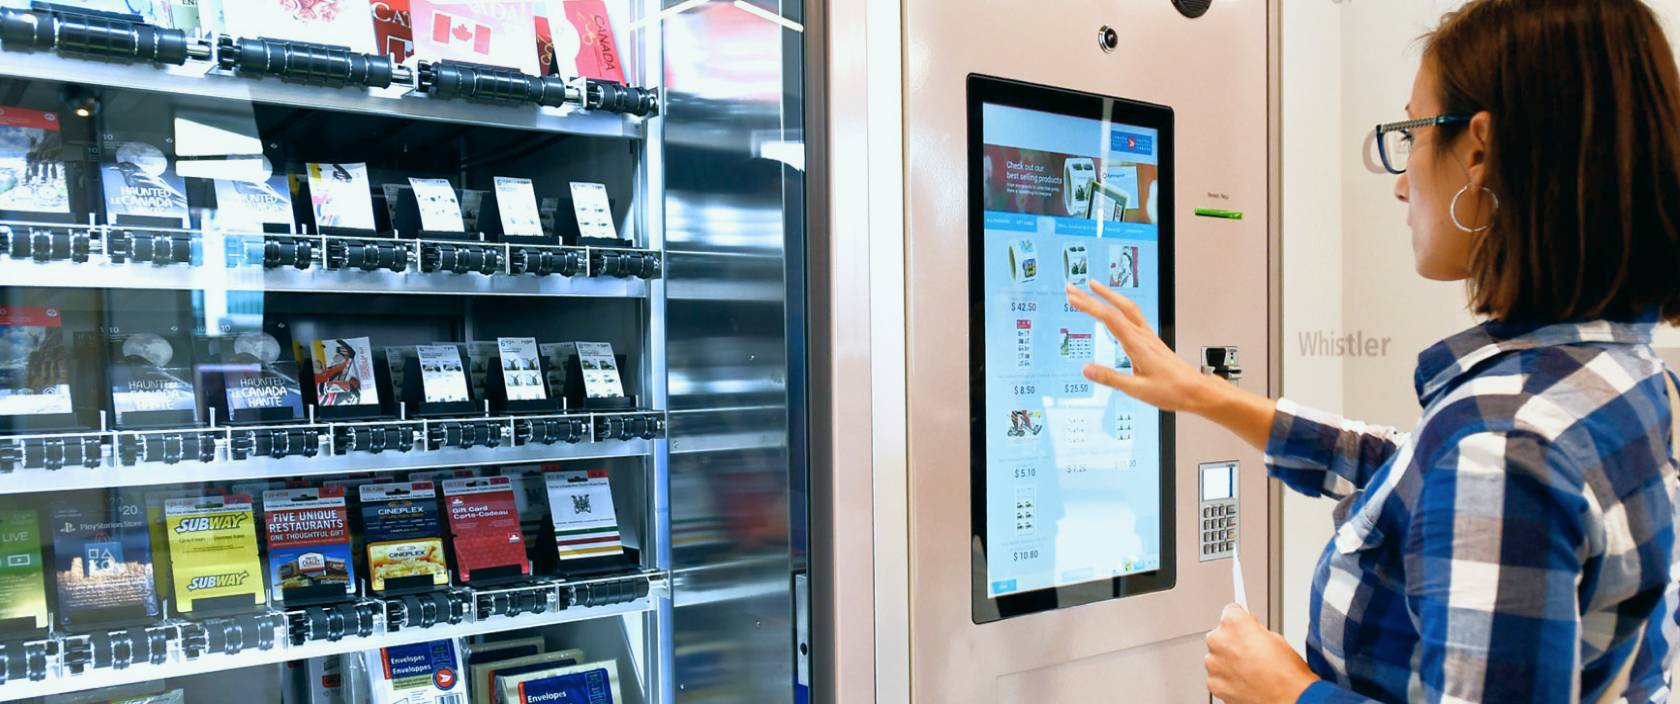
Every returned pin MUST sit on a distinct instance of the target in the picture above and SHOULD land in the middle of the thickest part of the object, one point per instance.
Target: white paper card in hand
(1241, 593)
(594, 212)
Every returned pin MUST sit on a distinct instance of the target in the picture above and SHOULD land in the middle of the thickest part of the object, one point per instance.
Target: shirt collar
(1452, 358)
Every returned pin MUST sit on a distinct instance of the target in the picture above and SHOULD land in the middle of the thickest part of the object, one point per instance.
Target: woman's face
(1440, 249)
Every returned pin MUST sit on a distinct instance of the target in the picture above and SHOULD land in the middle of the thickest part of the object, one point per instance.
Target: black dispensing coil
(1193, 8)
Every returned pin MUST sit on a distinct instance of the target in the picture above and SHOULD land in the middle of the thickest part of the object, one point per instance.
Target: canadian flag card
(483, 32)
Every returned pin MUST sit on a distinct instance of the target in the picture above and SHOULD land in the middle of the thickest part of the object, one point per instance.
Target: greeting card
(337, 22)
(498, 33)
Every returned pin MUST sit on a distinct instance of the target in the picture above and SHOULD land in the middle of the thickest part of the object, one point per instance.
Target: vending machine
(369, 351)
(1017, 532)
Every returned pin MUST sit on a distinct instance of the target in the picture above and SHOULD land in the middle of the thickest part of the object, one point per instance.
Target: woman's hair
(1584, 155)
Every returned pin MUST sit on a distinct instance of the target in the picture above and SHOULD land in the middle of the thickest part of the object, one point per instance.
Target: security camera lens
(1108, 39)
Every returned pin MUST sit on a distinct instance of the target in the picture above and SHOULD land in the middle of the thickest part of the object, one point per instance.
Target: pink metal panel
(1213, 72)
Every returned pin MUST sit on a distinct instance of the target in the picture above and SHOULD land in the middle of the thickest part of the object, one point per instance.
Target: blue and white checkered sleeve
(1323, 454)
(1493, 559)
(1322, 692)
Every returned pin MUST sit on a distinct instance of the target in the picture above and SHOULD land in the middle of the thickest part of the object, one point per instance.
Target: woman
(1519, 545)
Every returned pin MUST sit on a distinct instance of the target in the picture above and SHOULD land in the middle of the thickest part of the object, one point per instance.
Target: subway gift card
(308, 543)
(403, 534)
(213, 551)
(484, 527)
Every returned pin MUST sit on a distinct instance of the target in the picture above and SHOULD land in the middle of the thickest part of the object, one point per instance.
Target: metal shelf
(223, 467)
(201, 80)
(220, 263)
(725, 276)
(197, 278)
(711, 429)
(179, 665)
(731, 580)
(727, 442)
(719, 290)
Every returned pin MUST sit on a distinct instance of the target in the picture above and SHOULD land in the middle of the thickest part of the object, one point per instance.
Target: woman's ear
(1478, 140)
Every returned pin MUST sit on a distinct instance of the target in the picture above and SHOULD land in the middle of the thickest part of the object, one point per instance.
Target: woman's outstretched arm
(1313, 452)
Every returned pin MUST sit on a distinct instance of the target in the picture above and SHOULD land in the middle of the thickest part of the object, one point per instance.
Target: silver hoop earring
(1452, 209)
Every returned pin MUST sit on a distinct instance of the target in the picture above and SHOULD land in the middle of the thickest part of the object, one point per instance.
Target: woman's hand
(1159, 378)
(1247, 664)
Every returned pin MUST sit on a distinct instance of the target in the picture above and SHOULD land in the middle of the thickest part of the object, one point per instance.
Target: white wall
(1312, 259)
(1347, 258)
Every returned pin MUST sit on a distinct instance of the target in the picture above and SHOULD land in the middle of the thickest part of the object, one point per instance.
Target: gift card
(213, 549)
(34, 364)
(308, 540)
(32, 178)
(585, 524)
(484, 525)
(103, 554)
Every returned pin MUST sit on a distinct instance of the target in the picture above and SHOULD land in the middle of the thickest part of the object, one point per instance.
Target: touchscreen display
(1072, 469)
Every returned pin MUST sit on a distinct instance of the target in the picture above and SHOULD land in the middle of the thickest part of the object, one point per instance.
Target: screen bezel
(983, 90)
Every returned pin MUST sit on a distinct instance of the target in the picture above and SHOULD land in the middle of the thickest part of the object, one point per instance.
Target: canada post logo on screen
(1131, 143)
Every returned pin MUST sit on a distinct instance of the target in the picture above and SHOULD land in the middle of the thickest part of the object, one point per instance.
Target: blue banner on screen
(1072, 468)
(1132, 142)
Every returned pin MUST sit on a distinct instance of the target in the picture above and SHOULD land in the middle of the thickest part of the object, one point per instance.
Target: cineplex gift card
(404, 539)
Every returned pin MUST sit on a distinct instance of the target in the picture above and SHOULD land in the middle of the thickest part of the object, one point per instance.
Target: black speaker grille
(1193, 8)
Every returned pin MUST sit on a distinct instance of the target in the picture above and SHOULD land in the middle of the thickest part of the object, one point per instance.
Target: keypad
(1218, 530)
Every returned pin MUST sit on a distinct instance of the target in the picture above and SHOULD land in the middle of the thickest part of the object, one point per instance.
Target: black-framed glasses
(1394, 139)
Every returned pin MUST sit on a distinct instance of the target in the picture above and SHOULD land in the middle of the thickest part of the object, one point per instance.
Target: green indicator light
(1215, 213)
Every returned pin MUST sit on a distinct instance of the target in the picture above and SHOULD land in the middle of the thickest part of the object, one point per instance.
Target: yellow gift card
(213, 550)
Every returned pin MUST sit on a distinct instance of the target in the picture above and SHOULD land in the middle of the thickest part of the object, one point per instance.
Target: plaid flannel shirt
(1518, 544)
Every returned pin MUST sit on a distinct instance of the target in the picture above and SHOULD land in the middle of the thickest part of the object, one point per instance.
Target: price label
(1026, 390)
(1023, 343)
(1079, 388)
(1021, 555)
